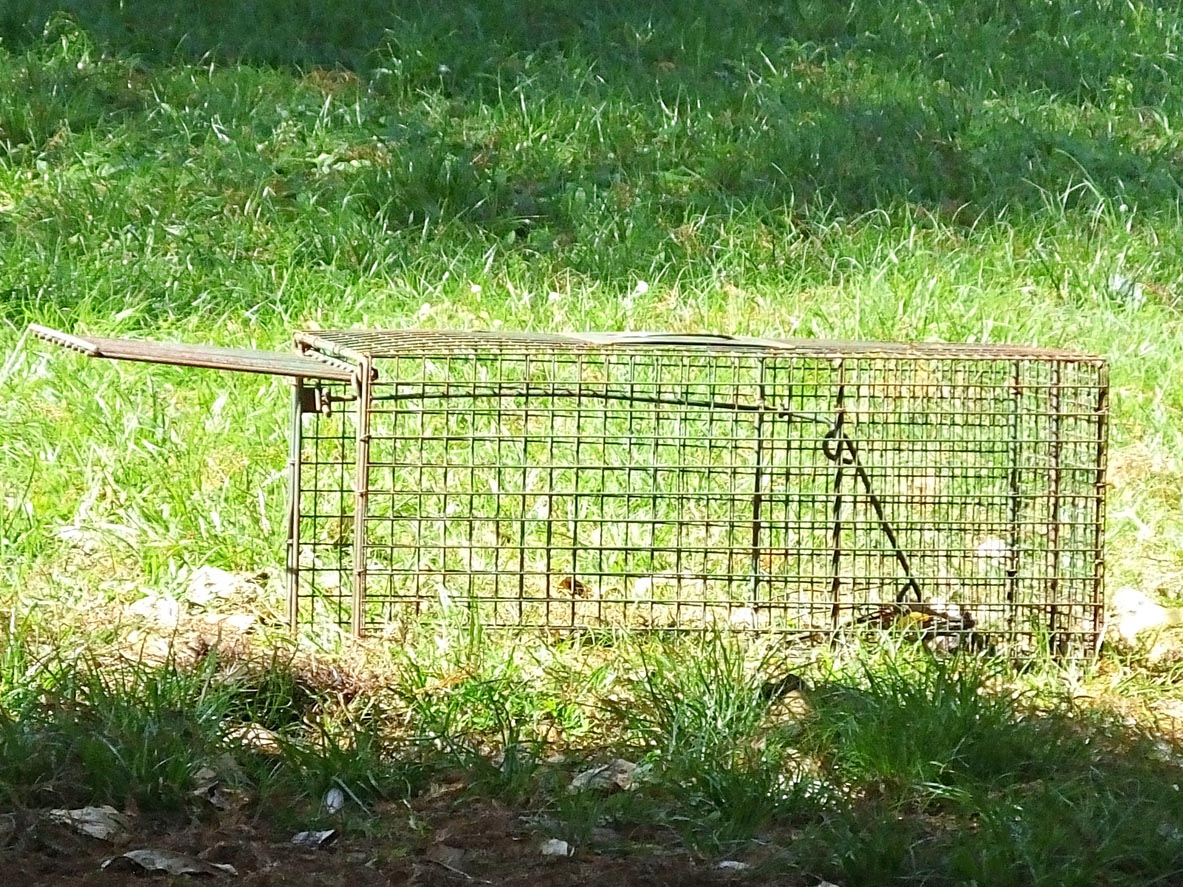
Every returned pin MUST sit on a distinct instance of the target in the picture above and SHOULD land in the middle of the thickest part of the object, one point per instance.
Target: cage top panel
(364, 344)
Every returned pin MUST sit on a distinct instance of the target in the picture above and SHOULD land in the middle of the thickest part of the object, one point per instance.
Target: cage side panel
(927, 492)
(685, 488)
(324, 513)
(652, 490)
(565, 489)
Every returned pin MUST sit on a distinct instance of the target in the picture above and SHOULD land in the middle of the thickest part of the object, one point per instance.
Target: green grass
(976, 171)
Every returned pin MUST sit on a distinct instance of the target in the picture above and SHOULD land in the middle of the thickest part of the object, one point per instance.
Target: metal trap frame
(687, 482)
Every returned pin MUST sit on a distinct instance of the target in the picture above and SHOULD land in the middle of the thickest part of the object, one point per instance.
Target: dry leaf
(171, 863)
(257, 737)
(105, 823)
(314, 840)
(732, 865)
(210, 788)
(616, 774)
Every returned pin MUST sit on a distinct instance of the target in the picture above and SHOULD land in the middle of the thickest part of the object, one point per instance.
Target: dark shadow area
(962, 108)
(907, 770)
(1068, 48)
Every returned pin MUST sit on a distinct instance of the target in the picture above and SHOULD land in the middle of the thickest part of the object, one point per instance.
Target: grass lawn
(978, 171)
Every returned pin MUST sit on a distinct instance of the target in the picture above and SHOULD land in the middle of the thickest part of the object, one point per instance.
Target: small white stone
(555, 847)
(334, 801)
(733, 865)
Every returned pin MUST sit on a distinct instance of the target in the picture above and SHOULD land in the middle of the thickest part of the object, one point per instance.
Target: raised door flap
(243, 360)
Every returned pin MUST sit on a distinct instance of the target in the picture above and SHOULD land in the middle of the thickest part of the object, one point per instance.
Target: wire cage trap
(683, 482)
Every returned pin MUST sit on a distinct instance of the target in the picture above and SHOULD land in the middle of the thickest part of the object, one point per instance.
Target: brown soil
(433, 843)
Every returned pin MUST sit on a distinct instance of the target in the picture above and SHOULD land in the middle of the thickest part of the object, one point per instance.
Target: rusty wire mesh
(677, 483)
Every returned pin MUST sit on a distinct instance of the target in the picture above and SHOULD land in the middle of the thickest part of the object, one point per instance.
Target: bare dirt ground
(430, 845)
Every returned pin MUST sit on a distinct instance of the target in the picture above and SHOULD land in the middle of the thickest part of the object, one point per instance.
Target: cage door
(320, 561)
(243, 360)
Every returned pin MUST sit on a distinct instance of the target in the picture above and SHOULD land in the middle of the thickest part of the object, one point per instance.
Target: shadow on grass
(896, 767)
(962, 108)
(903, 768)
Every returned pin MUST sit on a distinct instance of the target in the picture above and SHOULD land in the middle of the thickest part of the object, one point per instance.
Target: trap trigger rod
(839, 447)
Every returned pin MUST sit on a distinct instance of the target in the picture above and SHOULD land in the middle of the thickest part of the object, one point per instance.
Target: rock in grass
(1135, 613)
